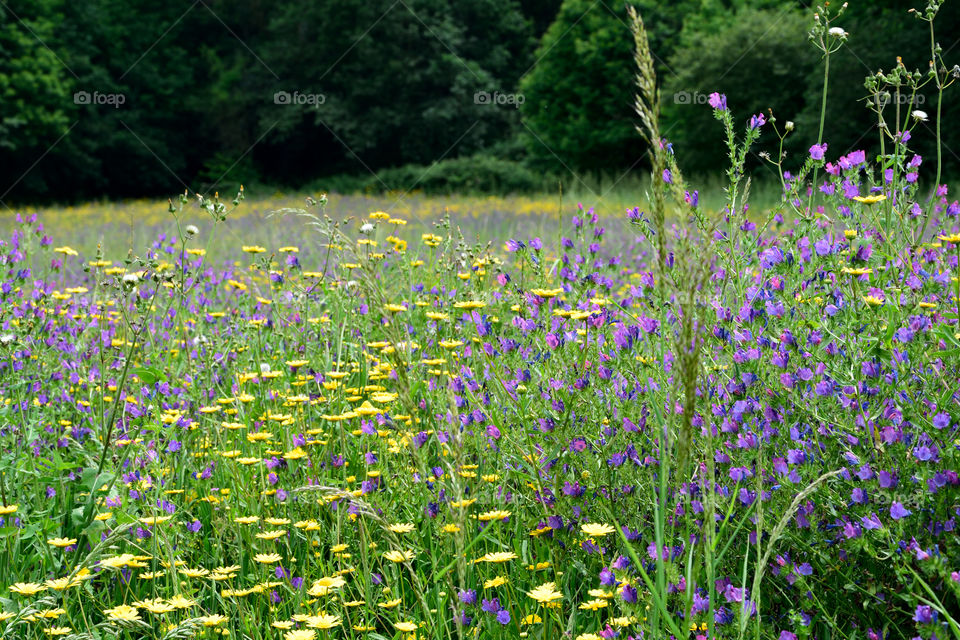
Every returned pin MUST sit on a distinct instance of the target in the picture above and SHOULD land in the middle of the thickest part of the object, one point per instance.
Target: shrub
(480, 174)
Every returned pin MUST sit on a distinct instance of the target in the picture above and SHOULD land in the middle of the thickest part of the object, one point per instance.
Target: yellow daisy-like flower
(953, 238)
(267, 558)
(271, 535)
(407, 627)
(870, 199)
(154, 520)
(27, 588)
(156, 606)
(547, 592)
(247, 519)
(398, 556)
(531, 619)
(546, 293)
(67, 251)
(179, 602)
(325, 585)
(873, 301)
(62, 542)
(295, 454)
(323, 622)
(493, 515)
(122, 612)
(395, 308)
(390, 604)
(224, 570)
(7, 509)
(300, 634)
(594, 605)
(118, 562)
(214, 620)
(596, 530)
(58, 631)
(62, 584)
(451, 528)
(401, 527)
(493, 583)
(497, 557)
(253, 249)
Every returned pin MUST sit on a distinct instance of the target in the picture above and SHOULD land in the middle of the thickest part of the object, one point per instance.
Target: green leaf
(148, 375)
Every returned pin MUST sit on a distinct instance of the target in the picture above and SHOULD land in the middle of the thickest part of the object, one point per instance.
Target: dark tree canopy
(134, 97)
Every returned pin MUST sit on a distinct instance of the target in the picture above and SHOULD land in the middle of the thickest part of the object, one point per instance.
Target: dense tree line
(135, 97)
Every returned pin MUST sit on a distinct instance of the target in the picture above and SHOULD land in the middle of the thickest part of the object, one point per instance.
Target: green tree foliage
(540, 13)
(755, 51)
(398, 80)
(759, 58)
(33, 81)
(578, 98)
(402, 84)
(879, 34)
(35, 89)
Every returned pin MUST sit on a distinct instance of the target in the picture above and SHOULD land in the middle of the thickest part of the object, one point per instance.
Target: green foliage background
(399, 80)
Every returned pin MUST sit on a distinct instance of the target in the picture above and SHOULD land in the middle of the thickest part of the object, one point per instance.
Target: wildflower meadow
(674, 421)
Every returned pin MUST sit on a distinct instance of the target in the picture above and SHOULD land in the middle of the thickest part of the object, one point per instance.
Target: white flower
(264, 367)
(192, 230)
(6, 338)
(366, 228)
(789, 126)
(131, 279)
(838, 32)
(919, 115)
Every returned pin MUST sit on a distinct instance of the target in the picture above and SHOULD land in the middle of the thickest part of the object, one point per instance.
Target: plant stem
(823, 117)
